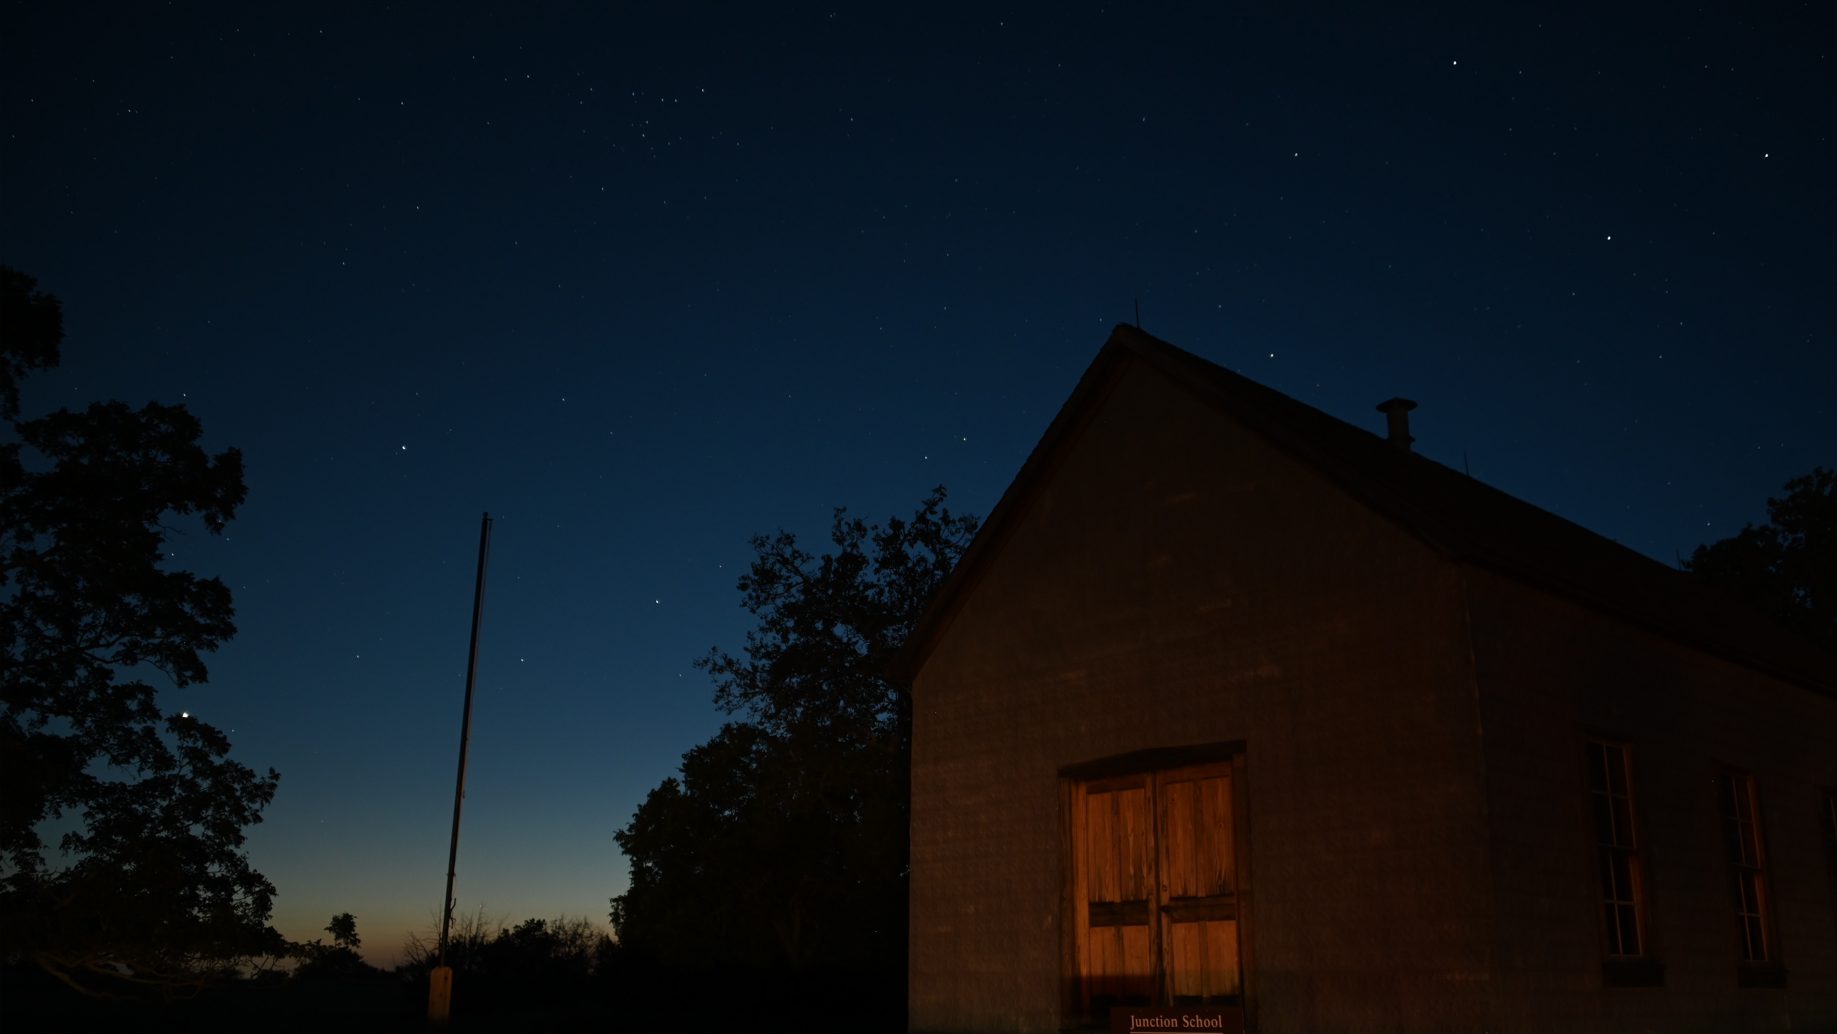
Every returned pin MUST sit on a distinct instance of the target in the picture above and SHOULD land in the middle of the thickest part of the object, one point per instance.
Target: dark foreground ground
(699, 1002)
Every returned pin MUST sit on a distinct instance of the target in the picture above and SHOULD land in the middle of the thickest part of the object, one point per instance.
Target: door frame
(1150, 764)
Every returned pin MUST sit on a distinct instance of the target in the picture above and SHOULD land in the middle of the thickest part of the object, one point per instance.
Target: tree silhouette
(542, 965)
(466, 940)
(337, 960)
(154, 887)
(343, 929)
(782, 843)
(1786, 568)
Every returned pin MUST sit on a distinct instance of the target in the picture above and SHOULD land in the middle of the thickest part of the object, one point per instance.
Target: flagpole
(440, 988)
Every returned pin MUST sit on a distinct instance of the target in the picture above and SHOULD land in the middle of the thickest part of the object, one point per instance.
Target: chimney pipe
(1397, 411)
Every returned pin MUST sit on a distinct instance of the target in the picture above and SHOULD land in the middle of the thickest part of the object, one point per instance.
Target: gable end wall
(1177, 580)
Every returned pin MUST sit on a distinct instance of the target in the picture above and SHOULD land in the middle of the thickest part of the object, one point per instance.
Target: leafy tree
(33, 324)
(539, 954)
(343, 929)
(339, 959)
(711, 878)
(1786, 568)
(783, 841)
(155, 887)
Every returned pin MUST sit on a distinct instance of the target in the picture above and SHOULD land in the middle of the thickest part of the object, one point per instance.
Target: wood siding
(1409, 786)
(1176, 580)
(1553, 675)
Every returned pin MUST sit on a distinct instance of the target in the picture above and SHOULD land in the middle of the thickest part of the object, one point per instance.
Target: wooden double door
(1155, 889)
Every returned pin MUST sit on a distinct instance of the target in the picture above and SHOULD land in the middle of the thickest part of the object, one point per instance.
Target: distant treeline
(559, 974)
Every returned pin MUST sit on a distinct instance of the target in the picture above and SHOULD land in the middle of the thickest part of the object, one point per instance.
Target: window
(1830, 845)
(1622, 871)
(1154, 889)
(1748, 863)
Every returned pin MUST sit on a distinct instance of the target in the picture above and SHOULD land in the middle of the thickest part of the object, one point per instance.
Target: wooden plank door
(1113, 835)
(1197, 891)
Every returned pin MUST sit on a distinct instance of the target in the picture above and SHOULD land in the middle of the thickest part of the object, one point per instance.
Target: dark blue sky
(643, 280)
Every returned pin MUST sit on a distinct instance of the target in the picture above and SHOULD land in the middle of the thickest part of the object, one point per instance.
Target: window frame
(1750, 881)
(1620, 863)
(1827, 816)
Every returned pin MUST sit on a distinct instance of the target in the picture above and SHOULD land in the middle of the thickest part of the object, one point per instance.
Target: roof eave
(1092, 386)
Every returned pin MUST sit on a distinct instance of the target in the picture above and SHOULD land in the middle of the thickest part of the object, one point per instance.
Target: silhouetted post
(440, 981)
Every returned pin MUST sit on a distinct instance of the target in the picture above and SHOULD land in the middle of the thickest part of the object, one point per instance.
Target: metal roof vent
(1397, 411)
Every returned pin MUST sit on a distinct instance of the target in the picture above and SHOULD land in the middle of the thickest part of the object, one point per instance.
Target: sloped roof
(1462, 519)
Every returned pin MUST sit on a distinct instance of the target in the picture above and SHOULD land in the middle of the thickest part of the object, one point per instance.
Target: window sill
(1633, 973)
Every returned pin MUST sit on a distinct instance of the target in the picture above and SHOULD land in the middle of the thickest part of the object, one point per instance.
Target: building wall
(1553, 673)
(1179, 581)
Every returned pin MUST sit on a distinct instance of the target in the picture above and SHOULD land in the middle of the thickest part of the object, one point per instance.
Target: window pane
(1617, 863)
(1830, 845)
(1610, 922)
(1623, 876)
(1604, 820)
(1754, 945)
(1617, 771)
(1629, 930)
(1738, 836)
(1742, 820)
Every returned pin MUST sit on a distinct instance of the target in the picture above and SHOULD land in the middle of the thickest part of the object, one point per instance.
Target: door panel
(1120, 972)
(1202, 961)
(1198, 899)
(1155, 872)
(1118, 849)
(1196, 842)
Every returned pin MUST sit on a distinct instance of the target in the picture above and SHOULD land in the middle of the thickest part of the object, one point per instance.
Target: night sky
(644, 280)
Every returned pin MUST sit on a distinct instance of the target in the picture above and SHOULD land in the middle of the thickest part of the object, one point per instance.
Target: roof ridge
(1463, 519)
